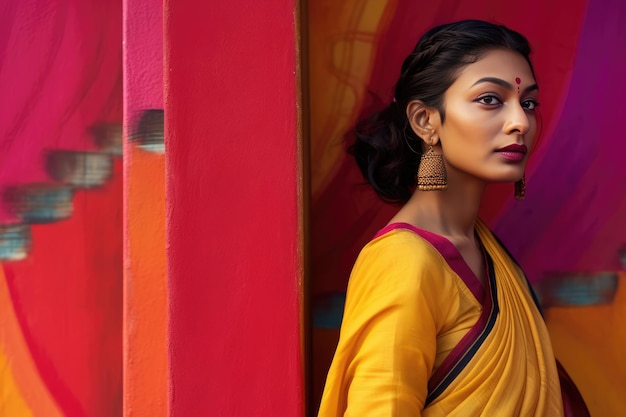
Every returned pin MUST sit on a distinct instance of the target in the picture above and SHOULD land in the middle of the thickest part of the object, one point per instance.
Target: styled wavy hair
(385, 146)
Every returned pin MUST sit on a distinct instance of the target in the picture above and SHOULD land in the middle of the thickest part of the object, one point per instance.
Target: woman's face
(490, 120)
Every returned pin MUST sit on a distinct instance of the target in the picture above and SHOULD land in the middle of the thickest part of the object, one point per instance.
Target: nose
(518, 121)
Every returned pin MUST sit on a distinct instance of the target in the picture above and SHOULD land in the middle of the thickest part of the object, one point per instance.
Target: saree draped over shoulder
(421, 336)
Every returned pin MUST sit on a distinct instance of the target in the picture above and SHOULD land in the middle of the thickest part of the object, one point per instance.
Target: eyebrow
(504, 84)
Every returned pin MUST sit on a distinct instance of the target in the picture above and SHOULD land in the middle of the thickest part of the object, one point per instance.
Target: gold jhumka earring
(431, 174)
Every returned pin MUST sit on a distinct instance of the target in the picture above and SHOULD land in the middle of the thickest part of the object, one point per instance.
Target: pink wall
(234, 208)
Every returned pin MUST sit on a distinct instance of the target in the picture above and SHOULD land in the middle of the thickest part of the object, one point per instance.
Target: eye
(489, 100)
(530, 104)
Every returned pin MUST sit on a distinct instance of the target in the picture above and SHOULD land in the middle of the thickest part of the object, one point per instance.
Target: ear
(424, 121)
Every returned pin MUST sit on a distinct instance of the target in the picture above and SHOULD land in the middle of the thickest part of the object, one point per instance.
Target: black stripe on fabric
(467, 357)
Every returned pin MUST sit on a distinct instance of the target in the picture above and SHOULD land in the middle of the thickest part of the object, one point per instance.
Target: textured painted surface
(145, 320)
(571, 224)
(233, 206)
(60, 83)
(145, 308)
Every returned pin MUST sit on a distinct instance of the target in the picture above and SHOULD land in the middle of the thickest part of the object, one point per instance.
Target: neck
(451, 212)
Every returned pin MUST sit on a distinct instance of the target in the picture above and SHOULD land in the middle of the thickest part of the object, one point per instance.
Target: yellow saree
(422, 337)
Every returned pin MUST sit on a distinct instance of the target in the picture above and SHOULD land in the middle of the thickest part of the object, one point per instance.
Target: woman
(439, 319)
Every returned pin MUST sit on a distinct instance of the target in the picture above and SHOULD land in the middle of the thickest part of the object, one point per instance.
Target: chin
(505, 178)
(513, 175)
(499, 174)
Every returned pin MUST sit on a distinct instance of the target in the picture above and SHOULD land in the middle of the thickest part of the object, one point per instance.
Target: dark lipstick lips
(514, 148)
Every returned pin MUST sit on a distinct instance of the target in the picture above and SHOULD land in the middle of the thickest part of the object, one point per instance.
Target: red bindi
(517, 80)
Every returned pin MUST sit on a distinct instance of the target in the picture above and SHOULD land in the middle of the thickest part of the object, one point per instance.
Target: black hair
(386, 149)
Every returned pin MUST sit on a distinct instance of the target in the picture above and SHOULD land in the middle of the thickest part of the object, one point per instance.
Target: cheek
(464, 120)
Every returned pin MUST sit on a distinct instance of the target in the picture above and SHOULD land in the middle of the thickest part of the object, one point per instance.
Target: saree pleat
(514, 372)
(516, 364)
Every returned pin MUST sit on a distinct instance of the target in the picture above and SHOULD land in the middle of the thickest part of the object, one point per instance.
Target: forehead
(499, 63)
